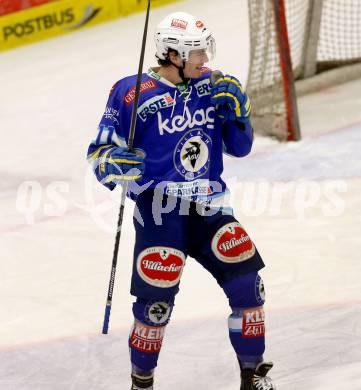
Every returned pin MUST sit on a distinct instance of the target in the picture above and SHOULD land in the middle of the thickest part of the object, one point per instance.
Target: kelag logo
(49, 21)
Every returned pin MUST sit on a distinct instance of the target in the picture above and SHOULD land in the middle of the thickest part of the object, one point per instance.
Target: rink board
(61, 17)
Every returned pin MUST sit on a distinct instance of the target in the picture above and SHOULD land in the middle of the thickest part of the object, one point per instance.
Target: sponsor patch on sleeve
(145, 86)
(111, 114)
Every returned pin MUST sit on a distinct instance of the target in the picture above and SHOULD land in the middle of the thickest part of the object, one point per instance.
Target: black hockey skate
(142, 382)
(257, 379)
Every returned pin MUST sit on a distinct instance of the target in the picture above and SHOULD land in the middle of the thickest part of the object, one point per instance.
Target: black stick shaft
(125, 187)
(139, 80)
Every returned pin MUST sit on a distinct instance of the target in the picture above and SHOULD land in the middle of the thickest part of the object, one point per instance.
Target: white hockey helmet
(185, 33)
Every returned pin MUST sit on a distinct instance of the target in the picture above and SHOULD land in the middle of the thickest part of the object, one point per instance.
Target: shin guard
(246, 323)
(145, 340)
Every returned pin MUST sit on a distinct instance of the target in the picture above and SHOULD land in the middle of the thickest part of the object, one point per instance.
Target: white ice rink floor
(300, 202)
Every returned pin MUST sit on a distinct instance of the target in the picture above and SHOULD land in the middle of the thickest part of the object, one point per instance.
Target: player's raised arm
(234, 108)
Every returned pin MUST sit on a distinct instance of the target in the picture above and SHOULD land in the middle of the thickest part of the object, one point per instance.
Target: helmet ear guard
(167, 61)
(163, 54)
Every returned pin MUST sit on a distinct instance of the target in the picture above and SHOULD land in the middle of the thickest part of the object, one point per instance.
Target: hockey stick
(125, 187)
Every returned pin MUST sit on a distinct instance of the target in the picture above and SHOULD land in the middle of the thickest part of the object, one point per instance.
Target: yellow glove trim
(104, 160)
(238, 106)
(111, 178)
(248, 107)
(122, 161)
(238, 84)
(96, 153)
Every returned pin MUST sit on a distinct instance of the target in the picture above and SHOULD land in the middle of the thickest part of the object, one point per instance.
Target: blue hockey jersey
(178, 132)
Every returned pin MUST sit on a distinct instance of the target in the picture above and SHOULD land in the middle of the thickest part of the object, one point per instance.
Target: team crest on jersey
(161, 266)
(153, 105)
(192, 154)
(158, 313)
(231, 244)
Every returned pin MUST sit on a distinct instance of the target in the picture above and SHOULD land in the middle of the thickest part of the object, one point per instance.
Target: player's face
(193, 67)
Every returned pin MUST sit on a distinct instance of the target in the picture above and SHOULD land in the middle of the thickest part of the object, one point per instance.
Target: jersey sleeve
(113, 131)
(237, 138)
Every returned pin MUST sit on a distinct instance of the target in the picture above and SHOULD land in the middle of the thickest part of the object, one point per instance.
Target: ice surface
(300, 202)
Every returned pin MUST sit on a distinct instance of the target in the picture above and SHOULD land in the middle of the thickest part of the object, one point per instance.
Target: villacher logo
(161, 266)
(232, 244)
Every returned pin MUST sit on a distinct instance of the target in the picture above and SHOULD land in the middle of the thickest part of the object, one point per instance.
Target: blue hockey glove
(118, 164)
(230, 99)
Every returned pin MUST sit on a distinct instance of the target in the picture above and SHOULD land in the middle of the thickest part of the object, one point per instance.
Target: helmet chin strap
(181, 71)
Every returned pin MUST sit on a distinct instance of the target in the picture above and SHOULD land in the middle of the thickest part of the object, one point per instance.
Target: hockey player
(184, 124)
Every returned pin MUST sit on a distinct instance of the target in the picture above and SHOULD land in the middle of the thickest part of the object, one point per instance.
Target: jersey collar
(152, 72)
